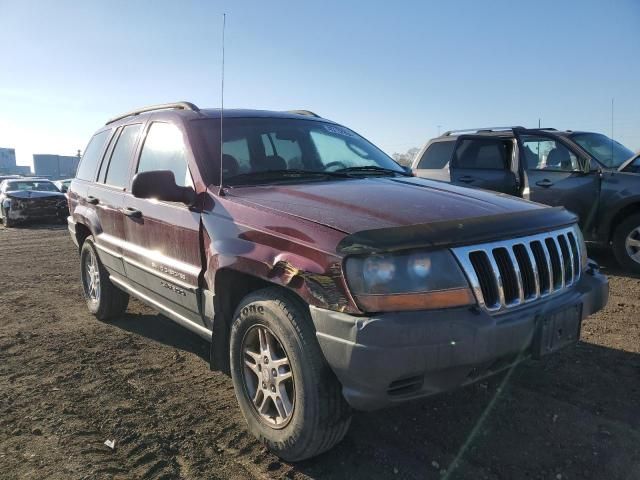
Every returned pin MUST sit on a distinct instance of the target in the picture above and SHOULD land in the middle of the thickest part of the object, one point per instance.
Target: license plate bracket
(557, 329)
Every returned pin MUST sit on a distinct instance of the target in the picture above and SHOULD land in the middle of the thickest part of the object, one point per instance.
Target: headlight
(582, 247)
(407, 281)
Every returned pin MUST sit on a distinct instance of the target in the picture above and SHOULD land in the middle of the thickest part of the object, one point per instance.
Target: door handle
(466, 179)
(131, 212)
(93, 200)
(544, 183)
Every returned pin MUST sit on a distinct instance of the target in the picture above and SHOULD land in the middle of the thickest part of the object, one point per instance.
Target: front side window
(608, 152)
(92, 155)
(544, 153)
(482, 154)
(436, 156)
(256, 148)
(164, 149)
(118, 170)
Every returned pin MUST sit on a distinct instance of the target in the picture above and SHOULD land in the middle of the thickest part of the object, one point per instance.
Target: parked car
(324, 275)
(63, 185)
(31, 199)
(8, 177)
(588, 173)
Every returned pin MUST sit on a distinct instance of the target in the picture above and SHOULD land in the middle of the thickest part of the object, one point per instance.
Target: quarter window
(92, 156)
(164, 149)
(118, 172)
(436, 156)
(543, 153)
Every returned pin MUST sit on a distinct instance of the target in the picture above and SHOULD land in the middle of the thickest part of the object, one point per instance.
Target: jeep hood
(379, 202)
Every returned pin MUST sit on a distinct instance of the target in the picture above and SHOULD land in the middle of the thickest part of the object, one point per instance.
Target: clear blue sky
(392, 71)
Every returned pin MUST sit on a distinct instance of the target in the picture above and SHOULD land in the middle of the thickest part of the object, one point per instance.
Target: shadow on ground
(574, 414)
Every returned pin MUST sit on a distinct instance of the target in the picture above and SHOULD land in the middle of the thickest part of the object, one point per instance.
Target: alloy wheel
(91, 277)
(632, 244)
(267, 376)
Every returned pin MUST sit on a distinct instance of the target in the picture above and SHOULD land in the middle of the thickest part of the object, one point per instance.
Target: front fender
(313, 274)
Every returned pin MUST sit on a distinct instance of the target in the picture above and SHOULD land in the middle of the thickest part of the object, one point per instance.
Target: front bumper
(393, 357)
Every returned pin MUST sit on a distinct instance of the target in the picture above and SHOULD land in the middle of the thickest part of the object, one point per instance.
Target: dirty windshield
(265, 150)
(40, 186)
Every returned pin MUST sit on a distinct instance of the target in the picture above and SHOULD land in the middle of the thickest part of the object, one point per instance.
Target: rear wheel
(103, 298)
(626, 244)
(287, 393)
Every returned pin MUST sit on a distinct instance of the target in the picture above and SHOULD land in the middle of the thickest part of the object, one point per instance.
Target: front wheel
(626, 244)
(8, 223)
(103, 298)
(287, 393)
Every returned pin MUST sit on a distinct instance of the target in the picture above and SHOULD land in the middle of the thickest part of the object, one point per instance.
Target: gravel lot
(69, 382)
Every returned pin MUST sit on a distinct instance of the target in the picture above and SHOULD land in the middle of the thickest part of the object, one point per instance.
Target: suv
(588, 173)
(324, 275)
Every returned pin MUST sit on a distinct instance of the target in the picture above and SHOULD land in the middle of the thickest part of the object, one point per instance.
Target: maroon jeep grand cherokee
(323, 274)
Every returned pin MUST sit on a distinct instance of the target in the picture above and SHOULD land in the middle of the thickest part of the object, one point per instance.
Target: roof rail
(151, 108)
(485, 129)
(308, 113)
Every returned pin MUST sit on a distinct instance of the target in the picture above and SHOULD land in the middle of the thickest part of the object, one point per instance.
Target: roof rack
(477, 130)
(151, 108)
(308, 113)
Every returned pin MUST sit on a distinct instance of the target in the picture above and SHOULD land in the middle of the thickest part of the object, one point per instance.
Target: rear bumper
(393, 357)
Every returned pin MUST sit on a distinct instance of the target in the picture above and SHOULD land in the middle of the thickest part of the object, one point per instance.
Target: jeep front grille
(508, 273)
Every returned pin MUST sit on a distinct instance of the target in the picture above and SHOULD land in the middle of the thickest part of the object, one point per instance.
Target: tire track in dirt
(69, 382)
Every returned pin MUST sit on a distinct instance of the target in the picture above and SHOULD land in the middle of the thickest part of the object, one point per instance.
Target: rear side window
(92, 156)
(483, 154)
(164, 149)
(437, 155)
(118, 172)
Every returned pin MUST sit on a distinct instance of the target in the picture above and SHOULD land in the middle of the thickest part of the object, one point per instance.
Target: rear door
(485, 162)
(162, 256)
(107, 195)
(557, 175)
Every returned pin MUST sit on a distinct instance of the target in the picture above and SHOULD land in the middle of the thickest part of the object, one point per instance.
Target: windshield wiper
(284, 174)
(370, 168)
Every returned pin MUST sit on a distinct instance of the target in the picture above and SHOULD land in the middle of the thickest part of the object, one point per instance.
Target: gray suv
(588, 173)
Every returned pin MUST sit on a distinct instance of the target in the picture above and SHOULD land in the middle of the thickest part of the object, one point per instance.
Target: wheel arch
(231, 286)
(630, 208)
(82, 233)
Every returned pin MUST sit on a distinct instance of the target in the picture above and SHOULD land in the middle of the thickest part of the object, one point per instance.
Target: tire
(104, 299)
(628, 256)
(319, 416)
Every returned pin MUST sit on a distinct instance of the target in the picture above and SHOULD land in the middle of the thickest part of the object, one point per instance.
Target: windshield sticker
(345, 132)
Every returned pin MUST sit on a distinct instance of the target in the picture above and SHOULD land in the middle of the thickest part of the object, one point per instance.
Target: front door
(163, 260)
(482, 161)
(555, 175)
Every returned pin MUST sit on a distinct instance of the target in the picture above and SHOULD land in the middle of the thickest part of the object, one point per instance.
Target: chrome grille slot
(528, 271)
(557, 267)
(508, 273)
(575, 251)
(485, 278)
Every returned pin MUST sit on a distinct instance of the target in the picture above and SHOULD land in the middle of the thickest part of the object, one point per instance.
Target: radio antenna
(224, 22)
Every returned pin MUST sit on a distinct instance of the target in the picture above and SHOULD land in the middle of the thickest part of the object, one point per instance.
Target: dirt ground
(69, 382)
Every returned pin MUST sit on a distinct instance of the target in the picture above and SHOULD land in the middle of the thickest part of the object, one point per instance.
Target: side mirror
(161, 185)
(64, 189)
(408, 170)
